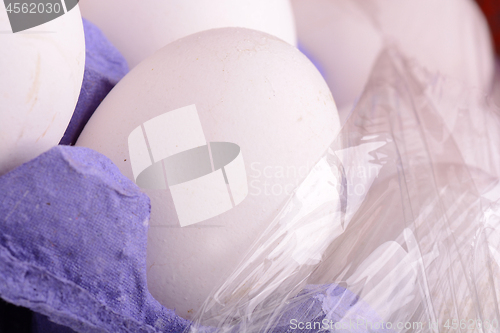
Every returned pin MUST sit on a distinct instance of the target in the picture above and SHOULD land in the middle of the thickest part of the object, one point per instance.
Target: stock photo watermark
(24, 15)
(350, 324)
(277, 180)
(205, 179)
(470, 325)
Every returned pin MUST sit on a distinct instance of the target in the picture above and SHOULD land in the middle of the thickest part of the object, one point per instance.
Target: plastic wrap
(396, 228)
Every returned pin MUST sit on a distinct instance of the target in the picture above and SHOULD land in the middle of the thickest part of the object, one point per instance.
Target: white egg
(138, 28)
(232, 85)
(41, 73)
(344, 37)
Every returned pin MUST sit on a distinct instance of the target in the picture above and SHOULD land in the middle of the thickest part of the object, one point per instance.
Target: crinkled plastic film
(396, 228)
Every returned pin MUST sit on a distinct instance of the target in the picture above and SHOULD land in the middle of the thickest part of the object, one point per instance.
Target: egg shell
(41, 71)
(344, 37)
(249, 88)
(142, 28)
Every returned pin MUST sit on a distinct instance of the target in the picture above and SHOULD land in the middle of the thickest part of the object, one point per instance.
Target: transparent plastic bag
(396, 228)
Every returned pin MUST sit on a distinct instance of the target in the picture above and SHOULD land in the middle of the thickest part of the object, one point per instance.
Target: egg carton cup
(395, 229)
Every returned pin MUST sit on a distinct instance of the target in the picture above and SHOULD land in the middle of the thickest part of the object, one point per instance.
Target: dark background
(14, 319)
(491, 9)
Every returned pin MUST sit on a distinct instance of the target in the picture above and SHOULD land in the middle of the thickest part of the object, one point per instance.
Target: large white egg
(140, 28)
(344, 37)
(232, 85)
(41, 73)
